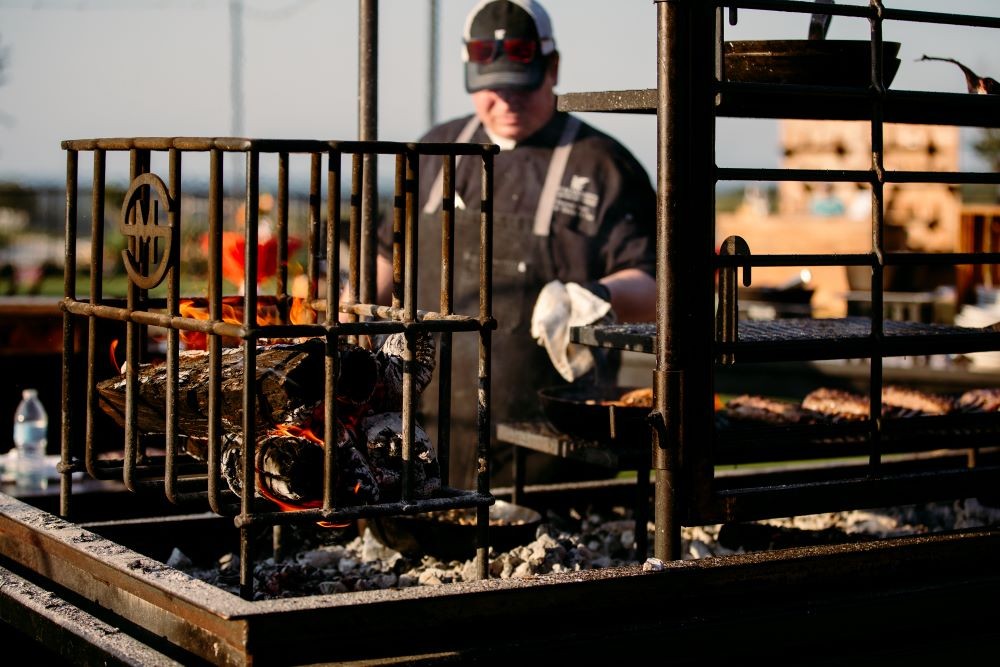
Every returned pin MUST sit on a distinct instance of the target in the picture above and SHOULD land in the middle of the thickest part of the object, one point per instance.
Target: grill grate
(151, 225)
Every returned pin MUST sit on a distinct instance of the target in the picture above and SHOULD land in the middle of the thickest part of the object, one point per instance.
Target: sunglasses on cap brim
(517, 49)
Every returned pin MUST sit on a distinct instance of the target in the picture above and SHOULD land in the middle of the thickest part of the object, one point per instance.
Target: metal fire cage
(691, 342)
(150, 224)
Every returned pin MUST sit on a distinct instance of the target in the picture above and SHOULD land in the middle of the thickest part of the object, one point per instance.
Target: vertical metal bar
(486, 325)
(315, 201)
(333, 242)
(281, 277)
(69, 334)
(214, 342)
(249, 484)
(671, 166)
(398, 231)
(96, 296)
(447, 306)
(878, 242)
(132, 357)
(332, 357)
(368, 131)
(354, 232)
(410, 238)
(432, 65)
(173, 309)
(410, 250)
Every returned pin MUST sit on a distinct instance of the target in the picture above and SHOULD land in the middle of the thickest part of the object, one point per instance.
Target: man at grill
(574, 236)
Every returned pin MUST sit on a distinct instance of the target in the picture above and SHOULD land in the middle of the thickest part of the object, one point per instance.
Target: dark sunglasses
(517, 49)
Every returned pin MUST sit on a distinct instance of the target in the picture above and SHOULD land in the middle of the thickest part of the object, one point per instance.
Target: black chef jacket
(603, 220)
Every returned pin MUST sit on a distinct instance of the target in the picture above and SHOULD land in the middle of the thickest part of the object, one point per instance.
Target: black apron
(521, 267)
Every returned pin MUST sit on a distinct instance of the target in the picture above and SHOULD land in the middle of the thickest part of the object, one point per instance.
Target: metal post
(368, 131)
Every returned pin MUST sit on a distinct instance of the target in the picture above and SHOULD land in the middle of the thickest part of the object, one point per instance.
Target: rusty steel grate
(151, 226)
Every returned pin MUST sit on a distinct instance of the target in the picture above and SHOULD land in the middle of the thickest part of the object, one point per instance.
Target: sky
(77, 69)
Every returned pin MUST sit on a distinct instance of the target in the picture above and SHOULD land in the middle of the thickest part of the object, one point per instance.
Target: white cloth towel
(559, 307)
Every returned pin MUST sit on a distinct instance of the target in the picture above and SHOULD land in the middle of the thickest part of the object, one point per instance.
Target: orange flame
(232, 313)
(114, 361)
(298, 432)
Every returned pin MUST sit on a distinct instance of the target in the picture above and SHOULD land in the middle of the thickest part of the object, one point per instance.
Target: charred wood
(289, 381)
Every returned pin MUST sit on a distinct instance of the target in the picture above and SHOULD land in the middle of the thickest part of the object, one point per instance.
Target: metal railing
(151, 224)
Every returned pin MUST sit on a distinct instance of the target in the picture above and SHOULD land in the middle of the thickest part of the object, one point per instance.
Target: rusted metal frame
(759, 498)
(165, 143)
(218, 328)
(332, 359)
(96, 296)
(446, 308)
(315, 224)
(281, 229)
(138, 161)
(398, 228)
(354, 237)
(459, 500)
(411, 249)
(68, 334)
(878, 238)
(696, 393)
(487, 325)
(673, 212)
(368, 132)
(173, 338)
(939, 18)
(214, 342)
(247, 451)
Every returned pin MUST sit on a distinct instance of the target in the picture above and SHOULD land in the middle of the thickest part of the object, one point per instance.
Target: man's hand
(559, 307)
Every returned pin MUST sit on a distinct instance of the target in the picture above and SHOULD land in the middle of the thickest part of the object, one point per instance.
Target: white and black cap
(495, 21)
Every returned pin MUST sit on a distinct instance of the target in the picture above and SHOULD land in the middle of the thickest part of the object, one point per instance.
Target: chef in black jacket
(573, 209)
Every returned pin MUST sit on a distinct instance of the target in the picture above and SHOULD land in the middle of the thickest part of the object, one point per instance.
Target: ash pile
(341, 561)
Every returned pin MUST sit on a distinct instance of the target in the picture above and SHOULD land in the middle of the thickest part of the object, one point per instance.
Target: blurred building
(836, 217)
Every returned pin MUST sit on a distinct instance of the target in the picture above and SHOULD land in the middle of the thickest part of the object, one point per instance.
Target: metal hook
(727, 316)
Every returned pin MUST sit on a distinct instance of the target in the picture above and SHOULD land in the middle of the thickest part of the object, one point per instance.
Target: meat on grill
(836, 404)
(979, 400)
(902, 402)
(896, 402)
(747, 407)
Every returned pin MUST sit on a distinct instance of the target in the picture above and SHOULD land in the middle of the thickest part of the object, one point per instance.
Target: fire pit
(899, 585)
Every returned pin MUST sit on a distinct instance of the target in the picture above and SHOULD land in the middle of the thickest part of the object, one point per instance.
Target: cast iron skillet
(451, 535)
(817, 62)
(589, 412)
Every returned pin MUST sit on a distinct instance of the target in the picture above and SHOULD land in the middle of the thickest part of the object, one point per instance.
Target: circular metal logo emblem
(150, 246)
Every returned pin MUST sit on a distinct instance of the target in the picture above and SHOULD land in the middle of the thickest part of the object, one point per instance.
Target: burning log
(388, 396)
(288, 455)
(384, 435)
(288, 466)
(290, 380)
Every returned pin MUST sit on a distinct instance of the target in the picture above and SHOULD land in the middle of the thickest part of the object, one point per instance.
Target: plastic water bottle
(31, 424)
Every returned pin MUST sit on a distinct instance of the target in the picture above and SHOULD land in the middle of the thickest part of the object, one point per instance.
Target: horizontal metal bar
(858, 259)
(888, 14)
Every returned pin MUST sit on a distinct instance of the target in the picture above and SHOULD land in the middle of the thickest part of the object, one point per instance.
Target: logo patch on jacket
(574, 200)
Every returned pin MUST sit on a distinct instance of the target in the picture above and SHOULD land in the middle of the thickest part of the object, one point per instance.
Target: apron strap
(462, 138)
(557, 167)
